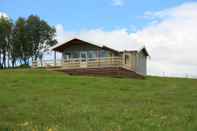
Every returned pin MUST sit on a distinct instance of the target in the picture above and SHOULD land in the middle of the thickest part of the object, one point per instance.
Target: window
(83, 55)
(91, 54)
(67, 56)
(75, 54)
(104, 53)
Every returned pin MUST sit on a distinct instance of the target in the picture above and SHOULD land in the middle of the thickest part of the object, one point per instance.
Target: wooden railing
(80, 63)
(46, 63)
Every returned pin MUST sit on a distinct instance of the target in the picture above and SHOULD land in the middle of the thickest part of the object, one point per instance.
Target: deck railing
(80, 63)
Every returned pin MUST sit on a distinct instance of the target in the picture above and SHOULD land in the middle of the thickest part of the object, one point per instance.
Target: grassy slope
(49, 99)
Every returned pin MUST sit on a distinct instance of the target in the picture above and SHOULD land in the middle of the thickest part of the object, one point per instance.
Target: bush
(24, 66)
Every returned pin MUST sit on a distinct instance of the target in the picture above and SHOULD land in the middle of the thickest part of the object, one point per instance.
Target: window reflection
(91, 54)
(104, 53)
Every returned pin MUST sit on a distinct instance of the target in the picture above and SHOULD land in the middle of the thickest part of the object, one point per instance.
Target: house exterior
(82, 55)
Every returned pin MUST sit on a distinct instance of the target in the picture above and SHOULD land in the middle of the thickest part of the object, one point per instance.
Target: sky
(168, 28)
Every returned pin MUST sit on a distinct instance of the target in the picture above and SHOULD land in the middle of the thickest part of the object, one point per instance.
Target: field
(32, 100)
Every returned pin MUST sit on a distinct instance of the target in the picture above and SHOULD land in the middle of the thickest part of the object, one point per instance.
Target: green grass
(37, 99)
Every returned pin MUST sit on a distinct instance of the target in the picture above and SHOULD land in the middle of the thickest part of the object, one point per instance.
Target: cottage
(90, 58)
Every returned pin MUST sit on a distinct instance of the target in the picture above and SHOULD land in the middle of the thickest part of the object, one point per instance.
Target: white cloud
(3, 14)
(118, 2)
(62, 35)
(171, 40)
(117, 39)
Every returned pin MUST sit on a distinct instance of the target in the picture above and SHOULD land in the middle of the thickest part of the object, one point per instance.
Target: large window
(104, 53)
(71, 55)
(67, 56)
(75, 54)
(92, 54)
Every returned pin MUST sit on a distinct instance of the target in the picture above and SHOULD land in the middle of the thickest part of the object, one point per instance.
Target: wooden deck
(106, 71)
(109, 66)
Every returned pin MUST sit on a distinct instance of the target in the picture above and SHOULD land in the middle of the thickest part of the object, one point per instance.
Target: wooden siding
(141, 63)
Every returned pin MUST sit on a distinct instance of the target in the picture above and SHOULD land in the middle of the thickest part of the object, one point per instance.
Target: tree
(27, 38)
(5, 40)
(21, 48)
(41, 36)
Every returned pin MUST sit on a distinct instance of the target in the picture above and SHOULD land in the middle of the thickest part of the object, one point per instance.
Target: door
(83, 60)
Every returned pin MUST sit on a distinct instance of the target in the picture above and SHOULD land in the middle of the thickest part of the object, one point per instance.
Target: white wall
(141, 63)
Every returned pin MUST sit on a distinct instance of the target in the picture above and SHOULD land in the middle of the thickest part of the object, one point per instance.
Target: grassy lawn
(34, 100)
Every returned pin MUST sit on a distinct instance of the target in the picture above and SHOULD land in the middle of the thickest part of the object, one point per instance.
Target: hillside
(41, 100)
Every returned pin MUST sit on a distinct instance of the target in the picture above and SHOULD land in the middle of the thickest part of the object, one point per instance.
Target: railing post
(62, 62)
(97, 61)
(34, 64)
(97, 58)
(87, 61)
(55, 58)
(112, 60)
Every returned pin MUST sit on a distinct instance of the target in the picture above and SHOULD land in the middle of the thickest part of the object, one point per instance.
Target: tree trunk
(4, 59)
(0, 59)
(13, 62)
(1, 66)
(8, 60)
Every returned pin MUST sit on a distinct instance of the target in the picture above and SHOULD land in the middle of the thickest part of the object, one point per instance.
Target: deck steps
(107, 71)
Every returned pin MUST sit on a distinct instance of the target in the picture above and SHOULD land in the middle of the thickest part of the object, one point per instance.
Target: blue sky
(75, 15)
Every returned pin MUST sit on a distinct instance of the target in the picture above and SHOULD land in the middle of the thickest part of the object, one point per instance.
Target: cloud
(3, 14)
(62, 35)
(118, 2)
(117, 39)
(185, 10)
(171, 39)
